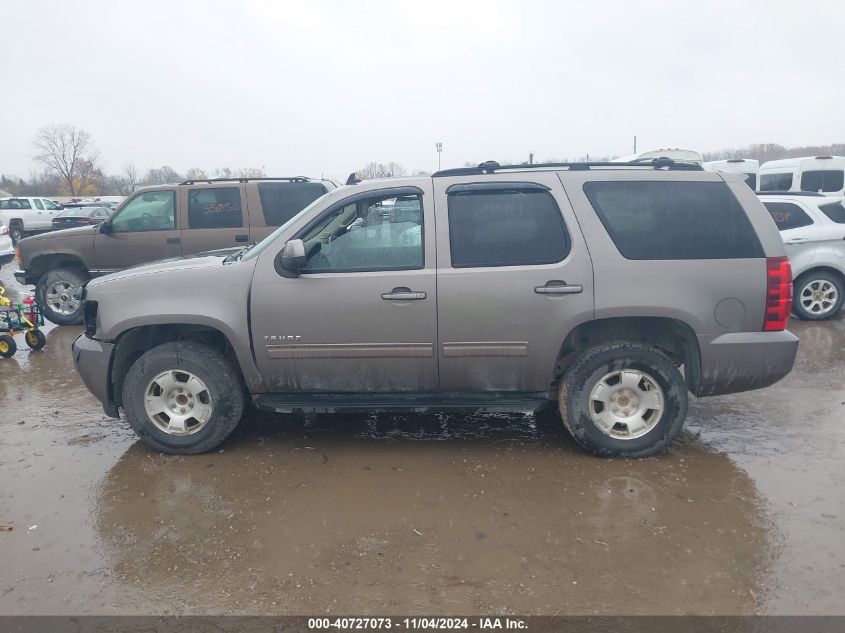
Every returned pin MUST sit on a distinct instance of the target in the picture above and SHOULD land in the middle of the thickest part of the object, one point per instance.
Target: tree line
(71, 166)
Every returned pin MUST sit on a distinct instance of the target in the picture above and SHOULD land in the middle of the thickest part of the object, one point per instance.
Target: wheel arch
(42, 264)
(673, 337)
(822, 268)
(132, 343)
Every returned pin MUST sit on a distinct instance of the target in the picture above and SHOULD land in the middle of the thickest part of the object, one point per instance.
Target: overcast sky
(324, 87)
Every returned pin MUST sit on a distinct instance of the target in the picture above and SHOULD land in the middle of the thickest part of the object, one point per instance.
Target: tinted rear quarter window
(751, 179)
(280, 201)
(787, 215)
(775, 182)
(650, 220)
(835, 211)
(215, 208)
(502, 227)
(826, 180)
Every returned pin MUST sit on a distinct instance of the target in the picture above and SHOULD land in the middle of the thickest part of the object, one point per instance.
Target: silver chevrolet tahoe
(612, 289)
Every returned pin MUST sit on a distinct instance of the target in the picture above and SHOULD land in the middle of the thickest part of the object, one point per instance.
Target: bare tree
(68, 152)
(132, 177)
(164, 175)
(195, 173)
(252, 172)
(380, 170)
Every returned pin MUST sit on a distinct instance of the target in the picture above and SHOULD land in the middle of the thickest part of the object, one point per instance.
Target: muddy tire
(15, 232)
(8, 347)
(183, 398)
(623, 400)
(57, 292)
(35, 339)
(817, 296)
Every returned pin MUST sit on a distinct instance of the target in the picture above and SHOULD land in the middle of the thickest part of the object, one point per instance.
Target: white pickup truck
(25, 216)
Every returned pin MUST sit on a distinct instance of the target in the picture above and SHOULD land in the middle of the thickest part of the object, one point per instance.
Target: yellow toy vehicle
(23, 317)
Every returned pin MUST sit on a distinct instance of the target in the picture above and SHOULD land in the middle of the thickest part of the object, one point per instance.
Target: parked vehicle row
(157, 223)
(27, 216)
(490, 287)
(813, 229)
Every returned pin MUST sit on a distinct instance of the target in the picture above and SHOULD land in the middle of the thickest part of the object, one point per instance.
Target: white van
(820, 174)
(748, 167)
(677, 154)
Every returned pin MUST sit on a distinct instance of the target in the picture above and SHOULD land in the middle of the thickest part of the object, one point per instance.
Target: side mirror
(105, 227)
(292, 259)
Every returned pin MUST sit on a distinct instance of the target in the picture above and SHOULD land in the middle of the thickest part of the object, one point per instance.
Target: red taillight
(86, 220)
(778, 293)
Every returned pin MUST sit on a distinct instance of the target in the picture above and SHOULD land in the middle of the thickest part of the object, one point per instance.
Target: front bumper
(93, 362)
(741, 361)
(22, 278)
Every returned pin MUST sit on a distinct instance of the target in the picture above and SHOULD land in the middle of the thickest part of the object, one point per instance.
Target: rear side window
(15, 203)
(835, 211)
(674, 220)
(822, 180)
(218, 208)
(787, 215)
(281, 201)
(502, 227)
(38, 204)
(775, 182)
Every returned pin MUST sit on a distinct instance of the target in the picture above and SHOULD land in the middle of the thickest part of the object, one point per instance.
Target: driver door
(143, 230)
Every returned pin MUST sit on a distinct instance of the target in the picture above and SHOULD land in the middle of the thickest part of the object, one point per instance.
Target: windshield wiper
(240, 253)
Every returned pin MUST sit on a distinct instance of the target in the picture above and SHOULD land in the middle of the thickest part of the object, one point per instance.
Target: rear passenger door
(212, 217)
(800, 232)
(513, 278)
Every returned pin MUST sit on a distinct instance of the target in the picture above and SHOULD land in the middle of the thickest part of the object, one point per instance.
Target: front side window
(649, 220)
(825, 181)
(38, 204)
(835, 211)
(787, 215)
(505, 227)
(149, 211)
(280, 201)
(50, 205)
(217, 208)
(376, 233)
(775, 182)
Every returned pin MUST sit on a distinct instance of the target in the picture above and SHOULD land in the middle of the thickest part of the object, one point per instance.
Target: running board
(492, 401)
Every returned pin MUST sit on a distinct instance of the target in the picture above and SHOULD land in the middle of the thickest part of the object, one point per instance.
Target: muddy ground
(437, 514)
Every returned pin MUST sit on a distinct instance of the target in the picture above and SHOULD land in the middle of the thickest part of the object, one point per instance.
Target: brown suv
(158, 223)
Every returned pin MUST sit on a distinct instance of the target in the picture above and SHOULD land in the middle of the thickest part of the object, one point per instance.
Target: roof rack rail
(809, 194)
(245, 179)
(491, 166)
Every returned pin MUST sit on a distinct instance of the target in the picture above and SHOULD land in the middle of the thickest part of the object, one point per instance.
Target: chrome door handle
(403, 294)
(798, 240)
(559, 288)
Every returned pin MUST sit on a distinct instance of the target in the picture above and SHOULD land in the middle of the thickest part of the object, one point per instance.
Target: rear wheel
(183, 398)
(817, 296)
(16, 232)
(35, 339)
(8, 347)
(58, 295)
(623, 400)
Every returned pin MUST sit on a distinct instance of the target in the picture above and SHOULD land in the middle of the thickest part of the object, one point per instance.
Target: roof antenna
(353, 179)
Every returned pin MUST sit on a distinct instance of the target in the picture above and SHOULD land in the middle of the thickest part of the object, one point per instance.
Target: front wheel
(58, 293)
(183, 398)
(8, 347)
(817, 296)
(623, 400)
